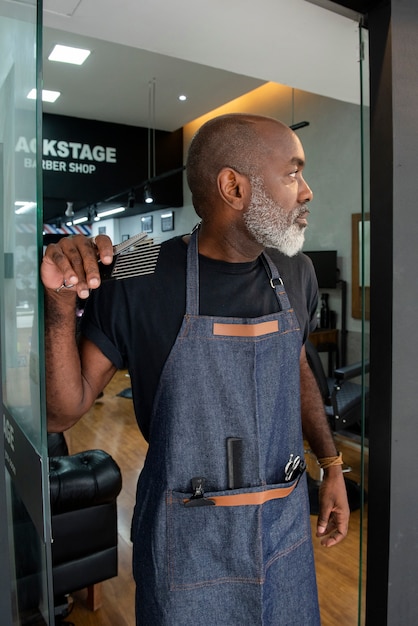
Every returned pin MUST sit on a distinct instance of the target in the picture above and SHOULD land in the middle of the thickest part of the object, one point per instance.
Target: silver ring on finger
(93, 240)
(64, 286)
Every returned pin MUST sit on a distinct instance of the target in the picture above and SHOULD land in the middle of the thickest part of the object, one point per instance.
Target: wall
(392, 541)
(86, 162)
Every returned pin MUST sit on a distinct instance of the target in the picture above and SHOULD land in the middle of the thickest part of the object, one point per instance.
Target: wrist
(64, 299)
(335, 471)
(330, 461)
(60, 310)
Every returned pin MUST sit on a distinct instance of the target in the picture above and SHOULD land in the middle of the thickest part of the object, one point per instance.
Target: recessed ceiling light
(67, 54)
(182, 97)
(47, 96)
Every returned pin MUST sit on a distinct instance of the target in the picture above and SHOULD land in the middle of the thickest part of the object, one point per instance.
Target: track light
(69, 211)
(131, 199)
(80, 220)
(299, 125)
(147, 195)
(119, 209)
(92, 214)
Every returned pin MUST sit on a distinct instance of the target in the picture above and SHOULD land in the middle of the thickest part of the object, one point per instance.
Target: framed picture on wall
(102, 230)
(146, 224)
(167, 221)
(125, 237)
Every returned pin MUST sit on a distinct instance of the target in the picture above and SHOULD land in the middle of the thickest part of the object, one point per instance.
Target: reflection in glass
(20, 341)
(27, 505)
(360, 265)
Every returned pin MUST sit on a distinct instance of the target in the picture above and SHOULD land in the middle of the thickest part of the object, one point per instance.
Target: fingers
(104, 248)
(334, 511)
(74, 261)
(333, 531)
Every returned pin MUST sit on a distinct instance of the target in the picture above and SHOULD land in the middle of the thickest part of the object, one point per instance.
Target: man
(221, 386)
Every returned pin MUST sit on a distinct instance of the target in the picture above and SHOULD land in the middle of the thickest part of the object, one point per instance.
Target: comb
(137, 256)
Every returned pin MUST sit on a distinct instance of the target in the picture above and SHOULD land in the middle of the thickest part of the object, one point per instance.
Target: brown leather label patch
(246, 330)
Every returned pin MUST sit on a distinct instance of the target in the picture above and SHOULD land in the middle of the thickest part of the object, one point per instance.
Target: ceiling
(113, 84)
(212, 52)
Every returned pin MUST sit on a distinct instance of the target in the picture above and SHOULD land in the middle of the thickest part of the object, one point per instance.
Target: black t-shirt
(135, 321)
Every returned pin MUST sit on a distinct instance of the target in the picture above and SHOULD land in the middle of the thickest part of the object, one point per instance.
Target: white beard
(270, 224)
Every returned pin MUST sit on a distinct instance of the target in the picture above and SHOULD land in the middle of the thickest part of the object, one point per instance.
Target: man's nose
(305, 192)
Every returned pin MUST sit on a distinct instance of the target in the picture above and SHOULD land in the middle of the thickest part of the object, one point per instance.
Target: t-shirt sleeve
(99, 322)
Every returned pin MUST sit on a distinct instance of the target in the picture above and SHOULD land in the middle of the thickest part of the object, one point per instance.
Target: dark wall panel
(86, 162)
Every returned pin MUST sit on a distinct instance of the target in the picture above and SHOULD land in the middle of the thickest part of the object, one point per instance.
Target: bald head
(240, 141)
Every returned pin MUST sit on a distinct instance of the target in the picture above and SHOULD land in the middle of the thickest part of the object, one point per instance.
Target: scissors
(293, 468)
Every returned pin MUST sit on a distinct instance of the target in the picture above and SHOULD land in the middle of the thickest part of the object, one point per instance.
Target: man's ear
(234, 188)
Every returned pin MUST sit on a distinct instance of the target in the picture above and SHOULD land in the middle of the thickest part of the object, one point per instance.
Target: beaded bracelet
(329, 461)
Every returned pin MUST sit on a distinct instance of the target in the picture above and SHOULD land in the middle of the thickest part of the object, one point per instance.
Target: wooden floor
(111, 426)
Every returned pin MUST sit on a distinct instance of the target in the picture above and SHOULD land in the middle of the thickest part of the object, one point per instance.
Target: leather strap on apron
(250, 499)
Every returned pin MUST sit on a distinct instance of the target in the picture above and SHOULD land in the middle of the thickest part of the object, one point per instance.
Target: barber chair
(343, 398)
(343, 402)
(83, 492)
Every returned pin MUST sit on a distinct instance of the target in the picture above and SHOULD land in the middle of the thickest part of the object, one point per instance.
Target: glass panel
(335, 144)
(364, 292)
(21, 387)
(20, 341)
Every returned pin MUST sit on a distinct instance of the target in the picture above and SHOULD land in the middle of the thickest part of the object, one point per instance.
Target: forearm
(65, 394)
(314, 420)
(73, 377)
(333, 516)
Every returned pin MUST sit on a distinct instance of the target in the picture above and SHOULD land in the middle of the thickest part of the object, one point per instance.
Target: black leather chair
(343, 397)
(83, 492)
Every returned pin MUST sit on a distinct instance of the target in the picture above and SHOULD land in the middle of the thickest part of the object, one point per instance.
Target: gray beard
(269, 224)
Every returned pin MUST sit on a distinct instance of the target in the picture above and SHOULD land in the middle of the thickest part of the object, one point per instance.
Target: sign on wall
(87, 161)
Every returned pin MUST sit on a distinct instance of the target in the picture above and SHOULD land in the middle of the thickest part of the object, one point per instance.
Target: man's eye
(293, 174)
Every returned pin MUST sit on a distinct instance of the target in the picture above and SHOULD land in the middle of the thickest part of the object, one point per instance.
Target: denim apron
(206, 553)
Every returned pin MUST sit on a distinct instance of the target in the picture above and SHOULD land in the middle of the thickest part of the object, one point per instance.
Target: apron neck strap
(192, 275)
(276, 282)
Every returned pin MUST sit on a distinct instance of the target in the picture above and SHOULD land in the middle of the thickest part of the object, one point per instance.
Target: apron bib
(221, 542)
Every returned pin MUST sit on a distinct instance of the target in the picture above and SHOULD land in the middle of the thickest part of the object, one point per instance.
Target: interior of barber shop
(177, 153)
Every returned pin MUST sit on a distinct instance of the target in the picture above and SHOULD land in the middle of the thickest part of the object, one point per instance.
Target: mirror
(360, 266)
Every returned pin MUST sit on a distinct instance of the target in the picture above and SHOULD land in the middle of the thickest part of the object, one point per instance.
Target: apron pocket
(210, 545)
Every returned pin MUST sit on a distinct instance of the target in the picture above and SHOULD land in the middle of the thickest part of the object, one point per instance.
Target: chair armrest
(341, 374)
(82, 480)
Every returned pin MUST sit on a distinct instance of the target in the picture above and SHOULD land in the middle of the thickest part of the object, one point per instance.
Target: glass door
(361, 255)
(24, 484)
